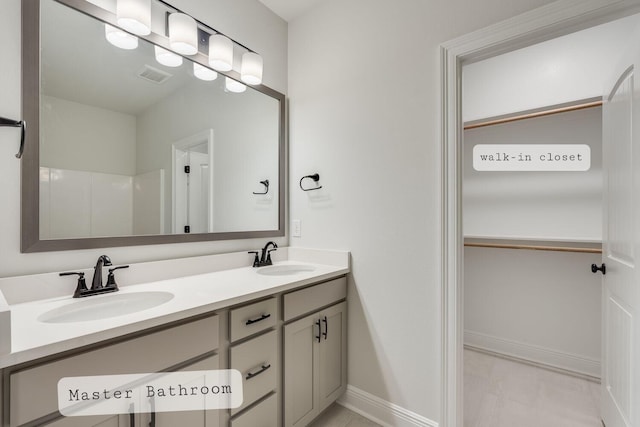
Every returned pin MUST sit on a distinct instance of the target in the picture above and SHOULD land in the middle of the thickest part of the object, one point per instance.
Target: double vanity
(283, 327)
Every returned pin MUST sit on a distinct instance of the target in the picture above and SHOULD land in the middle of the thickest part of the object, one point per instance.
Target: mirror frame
(30, 183)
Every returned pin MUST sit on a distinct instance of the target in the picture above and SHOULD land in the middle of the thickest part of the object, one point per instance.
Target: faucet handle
(256, 259)
(268, 260)
(82, 284)
(111, 278)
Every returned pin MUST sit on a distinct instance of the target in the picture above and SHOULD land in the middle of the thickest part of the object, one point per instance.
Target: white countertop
(193, 295)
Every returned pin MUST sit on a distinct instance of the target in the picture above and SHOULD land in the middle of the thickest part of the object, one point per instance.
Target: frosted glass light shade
(234, 86)
(204, 73)
(183, 34)
(119, 38)
(167, 58)
(134, 16)
(251, 69)
(220, 52)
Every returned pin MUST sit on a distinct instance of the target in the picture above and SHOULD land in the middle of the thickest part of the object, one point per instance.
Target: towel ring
(315, 177)
(266, 184)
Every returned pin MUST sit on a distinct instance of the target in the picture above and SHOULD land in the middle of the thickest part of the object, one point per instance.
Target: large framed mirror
(123, 150)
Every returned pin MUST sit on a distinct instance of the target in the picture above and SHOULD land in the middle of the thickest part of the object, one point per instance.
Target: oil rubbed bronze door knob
(595, 268)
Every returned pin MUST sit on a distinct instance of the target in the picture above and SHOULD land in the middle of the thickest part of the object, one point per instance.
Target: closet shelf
(537, 245)
(530, 114)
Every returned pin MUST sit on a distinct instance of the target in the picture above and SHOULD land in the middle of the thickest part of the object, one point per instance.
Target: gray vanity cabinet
(33, 389)
(315, 372)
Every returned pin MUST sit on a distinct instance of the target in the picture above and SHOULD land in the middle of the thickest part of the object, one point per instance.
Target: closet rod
(534, 247)
(533, 114)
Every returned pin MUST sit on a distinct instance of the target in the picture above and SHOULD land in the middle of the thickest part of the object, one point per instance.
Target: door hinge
(187, 229)
(187, 169)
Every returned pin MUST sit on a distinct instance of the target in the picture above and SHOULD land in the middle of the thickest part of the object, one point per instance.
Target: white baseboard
(540, 355)
(381, 411)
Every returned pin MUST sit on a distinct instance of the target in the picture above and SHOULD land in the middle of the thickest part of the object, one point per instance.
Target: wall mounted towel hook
(315, 177)
(4, 122)
(266, 185)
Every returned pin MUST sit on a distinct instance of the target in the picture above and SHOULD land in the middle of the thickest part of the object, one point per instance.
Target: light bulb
(167, 58)
(204, 73)
(234, 86)
(134, 16)
(183, 34)
(119, 38)
(251, 70)
(220, 52)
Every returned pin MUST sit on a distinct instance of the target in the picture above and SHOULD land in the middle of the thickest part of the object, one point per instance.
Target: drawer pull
(261, 370)
(326, 328)
(259, 319)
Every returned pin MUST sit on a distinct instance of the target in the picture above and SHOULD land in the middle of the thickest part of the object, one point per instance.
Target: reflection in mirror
(131, 147)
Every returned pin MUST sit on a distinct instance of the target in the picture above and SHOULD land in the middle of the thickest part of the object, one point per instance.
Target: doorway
(542, 24)
(193, 179)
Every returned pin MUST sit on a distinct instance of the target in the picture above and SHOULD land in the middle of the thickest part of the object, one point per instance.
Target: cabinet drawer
(257, 361)
(309, 299)
(264, 414)
(34, 390)
(253, 318)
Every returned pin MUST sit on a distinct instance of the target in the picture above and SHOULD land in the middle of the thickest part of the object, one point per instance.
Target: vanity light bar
(187, 37)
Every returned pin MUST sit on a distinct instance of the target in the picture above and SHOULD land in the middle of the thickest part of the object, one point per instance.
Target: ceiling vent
(154, 75)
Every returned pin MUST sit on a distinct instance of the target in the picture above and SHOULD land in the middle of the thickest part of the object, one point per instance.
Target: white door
(198, 193)
(621, 247)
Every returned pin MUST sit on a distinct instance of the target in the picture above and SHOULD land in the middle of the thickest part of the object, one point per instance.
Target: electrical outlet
(295, 228)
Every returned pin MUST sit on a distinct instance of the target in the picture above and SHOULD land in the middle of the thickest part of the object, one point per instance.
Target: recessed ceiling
(289, 9)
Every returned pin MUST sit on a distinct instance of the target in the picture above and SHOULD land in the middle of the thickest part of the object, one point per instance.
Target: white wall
(247, 20)
(537, 305)
(364, 91)
(86, 138)
(536, 205)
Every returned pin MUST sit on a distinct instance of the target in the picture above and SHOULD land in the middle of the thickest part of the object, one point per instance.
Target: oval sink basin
(285, 270)
(105, 306)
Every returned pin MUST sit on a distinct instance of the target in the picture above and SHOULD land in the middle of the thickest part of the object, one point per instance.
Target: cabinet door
(209, 418)
(300, 389)
(332, 359)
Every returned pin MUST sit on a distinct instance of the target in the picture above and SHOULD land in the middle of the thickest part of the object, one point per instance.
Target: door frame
(553, 20)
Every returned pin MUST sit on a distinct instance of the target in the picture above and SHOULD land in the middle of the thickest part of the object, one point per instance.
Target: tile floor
(339, 416)
(500, 392)
(503, 393)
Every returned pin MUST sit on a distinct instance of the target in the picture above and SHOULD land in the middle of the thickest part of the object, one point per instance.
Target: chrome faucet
(265, 255)
(96, 283)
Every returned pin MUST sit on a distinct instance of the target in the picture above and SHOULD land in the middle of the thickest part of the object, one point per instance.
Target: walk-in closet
(532, 305)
